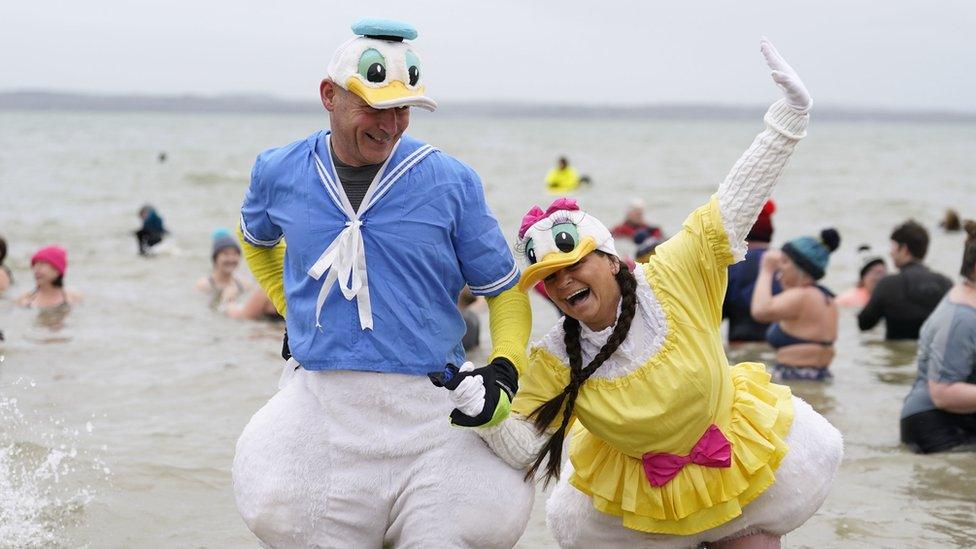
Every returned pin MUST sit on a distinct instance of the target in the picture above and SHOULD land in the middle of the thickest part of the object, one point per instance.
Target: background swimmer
(940, 411)
(257, 307)
(742, 282)
(222, 284)
(803, 316)
(152, 231)
(873, 269)
(6, 277)
(905, 299)
(49, 265)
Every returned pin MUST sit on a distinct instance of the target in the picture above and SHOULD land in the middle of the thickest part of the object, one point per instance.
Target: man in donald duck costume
(382, 231)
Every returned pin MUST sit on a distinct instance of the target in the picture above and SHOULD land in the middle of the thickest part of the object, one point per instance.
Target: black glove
(500, 379)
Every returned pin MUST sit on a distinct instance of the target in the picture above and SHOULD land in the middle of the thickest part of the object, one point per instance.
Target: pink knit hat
(52, 255)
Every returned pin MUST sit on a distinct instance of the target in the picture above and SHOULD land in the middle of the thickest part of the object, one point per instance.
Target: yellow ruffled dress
(668, 402)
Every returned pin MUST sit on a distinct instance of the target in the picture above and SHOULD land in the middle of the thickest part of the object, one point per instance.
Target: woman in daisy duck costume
(670, 445)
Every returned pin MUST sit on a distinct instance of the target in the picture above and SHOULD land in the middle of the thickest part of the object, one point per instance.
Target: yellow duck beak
(554, 262)
(394, 94)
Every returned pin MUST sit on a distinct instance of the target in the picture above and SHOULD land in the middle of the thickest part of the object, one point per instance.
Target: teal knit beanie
(811, 254)
(222, 240)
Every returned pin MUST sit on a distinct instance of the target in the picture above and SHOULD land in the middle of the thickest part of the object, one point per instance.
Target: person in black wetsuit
(152, 231)
(906, 299)
(742, 280)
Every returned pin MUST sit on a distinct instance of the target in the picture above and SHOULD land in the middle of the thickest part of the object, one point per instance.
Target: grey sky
(877, 54)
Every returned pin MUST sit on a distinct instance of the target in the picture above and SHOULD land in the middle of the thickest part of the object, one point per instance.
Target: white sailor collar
(344, 260)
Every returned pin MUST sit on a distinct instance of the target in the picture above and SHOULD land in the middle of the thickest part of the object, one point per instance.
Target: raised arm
(766, 307)
(873, 312)
(750, 182)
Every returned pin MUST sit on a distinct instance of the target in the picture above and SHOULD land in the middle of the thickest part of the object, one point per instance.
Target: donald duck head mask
(557, 238)
(380, 67)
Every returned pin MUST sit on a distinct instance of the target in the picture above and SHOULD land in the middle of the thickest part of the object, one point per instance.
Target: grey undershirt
(355, 180)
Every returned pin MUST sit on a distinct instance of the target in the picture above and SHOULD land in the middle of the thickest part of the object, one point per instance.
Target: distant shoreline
(33, 100)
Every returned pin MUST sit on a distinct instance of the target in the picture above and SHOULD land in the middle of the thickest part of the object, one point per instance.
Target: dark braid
(544, 415)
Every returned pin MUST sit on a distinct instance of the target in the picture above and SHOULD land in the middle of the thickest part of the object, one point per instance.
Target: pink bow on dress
(711, 450)
(536, 213)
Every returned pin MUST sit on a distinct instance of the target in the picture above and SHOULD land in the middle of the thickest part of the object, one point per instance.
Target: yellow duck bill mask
(379, 65)
(557, 238)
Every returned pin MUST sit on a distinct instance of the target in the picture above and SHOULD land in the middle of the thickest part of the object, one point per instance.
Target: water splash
(45, 480)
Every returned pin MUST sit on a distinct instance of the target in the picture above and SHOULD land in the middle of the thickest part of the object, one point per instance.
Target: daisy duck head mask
(380, 66)
(558, 237)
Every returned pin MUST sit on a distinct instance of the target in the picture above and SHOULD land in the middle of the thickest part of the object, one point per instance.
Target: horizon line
(38, 99)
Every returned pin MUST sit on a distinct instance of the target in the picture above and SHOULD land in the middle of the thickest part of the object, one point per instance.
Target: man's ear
(327, 92)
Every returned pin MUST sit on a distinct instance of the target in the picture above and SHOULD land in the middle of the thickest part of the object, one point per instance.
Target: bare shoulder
(74, 297)
(202, 284)
(25, 299)
(795, 295)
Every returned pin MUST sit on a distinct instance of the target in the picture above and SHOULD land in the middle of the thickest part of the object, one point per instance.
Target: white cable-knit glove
(469, 397)
(794, 91)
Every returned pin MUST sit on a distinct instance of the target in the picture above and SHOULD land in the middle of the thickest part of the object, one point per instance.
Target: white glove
(794, 91)
(469, 396)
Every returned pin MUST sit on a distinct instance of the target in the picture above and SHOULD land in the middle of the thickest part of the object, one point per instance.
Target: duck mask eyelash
(546, 225)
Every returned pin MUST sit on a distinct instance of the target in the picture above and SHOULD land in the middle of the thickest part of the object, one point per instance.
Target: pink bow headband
(536, 214)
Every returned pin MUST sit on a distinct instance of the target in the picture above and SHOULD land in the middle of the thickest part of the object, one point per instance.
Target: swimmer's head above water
(49, 265)
(225, 252)
(804, 259)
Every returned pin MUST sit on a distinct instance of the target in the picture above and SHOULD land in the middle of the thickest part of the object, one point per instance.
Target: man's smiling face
(361, 135)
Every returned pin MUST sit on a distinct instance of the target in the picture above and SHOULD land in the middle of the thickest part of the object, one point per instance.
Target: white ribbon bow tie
(345, 261)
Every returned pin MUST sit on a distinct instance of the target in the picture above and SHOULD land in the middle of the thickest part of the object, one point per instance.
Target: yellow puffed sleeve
(267, 265)
(693, 267)
(545, 378)
(510, 320)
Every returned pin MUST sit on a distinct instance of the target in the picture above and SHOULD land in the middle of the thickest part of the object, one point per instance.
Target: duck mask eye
(413, 68)
(565, 236)
(372, 66)
(530, 251)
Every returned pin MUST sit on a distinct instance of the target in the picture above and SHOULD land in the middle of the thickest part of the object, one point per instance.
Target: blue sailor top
(376, 290)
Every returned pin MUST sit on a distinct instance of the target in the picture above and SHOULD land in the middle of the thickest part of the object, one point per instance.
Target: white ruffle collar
(646, 336)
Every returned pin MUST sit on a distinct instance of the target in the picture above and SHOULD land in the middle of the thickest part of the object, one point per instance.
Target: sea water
(118, 420)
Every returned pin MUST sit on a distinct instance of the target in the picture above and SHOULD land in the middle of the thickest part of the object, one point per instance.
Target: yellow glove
(510, 320)
(268, 267)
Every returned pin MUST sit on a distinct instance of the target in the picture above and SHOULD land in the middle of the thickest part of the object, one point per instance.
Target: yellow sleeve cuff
(268, 267)
(510, 320)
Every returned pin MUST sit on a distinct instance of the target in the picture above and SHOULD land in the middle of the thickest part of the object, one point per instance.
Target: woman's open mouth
(578, 296)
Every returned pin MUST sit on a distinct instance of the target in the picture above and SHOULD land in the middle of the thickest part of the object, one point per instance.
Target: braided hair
(544, 415)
